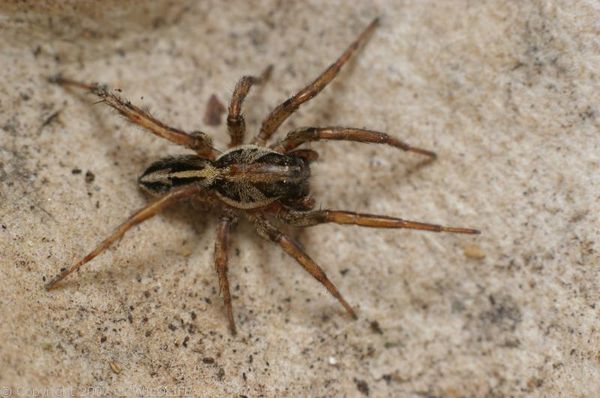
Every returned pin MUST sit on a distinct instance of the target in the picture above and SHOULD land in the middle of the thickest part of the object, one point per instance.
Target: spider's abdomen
(175, 171)
(251, 177)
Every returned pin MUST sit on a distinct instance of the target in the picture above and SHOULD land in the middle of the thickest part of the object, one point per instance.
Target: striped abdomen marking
(171, 172)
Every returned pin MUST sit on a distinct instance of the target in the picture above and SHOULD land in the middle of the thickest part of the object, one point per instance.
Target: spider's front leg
(298, 137)
(267, 231)
(221, 245)
(310, 218)
(141, 215)
(198, 141)
(289, 106)
(236, 125)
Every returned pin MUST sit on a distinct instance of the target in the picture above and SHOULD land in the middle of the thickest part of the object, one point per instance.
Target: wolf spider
(256, 181)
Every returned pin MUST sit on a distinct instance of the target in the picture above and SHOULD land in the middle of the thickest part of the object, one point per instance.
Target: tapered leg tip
(352, 314)
(430, 154)
(55, 79)
(456, 230)
(266, 73)
(50, 285)
(54, 282)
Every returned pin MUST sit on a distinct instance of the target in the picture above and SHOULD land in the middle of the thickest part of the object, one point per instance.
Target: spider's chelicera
(268, 185)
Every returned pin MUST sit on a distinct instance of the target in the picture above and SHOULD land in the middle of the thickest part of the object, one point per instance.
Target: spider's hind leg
(298, 137)
(310, 218)
(221, 245)
(141, 215)
(269, 232)
(198, 141)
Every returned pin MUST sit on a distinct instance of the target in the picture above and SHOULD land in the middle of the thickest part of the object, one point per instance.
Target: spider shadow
(289, 280)
(129, 266)
(370, 182)
(104, 131)
(412, 167)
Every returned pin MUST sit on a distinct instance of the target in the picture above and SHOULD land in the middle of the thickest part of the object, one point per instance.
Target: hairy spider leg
(236, 125)
(197, 140)
(268, 231)
(310, 218)
(307, 154)
(298, 137)
(278, 115)
(221, 245)
(141, 215)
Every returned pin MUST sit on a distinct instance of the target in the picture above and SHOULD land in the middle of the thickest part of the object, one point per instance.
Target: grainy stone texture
(505, 91)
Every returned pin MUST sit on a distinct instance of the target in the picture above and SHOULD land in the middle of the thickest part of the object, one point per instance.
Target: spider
(266, 184)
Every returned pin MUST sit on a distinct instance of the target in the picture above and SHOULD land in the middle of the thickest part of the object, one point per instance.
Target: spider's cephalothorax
(263, 184)
(246, 177)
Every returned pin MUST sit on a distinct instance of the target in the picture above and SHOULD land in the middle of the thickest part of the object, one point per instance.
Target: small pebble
(474, 251)
(115, 367)
(89, 177)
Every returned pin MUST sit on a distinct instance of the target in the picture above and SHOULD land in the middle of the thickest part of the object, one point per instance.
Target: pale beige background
(505, 91)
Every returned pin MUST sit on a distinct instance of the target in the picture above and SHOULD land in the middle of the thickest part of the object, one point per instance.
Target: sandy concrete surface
(506, 92)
